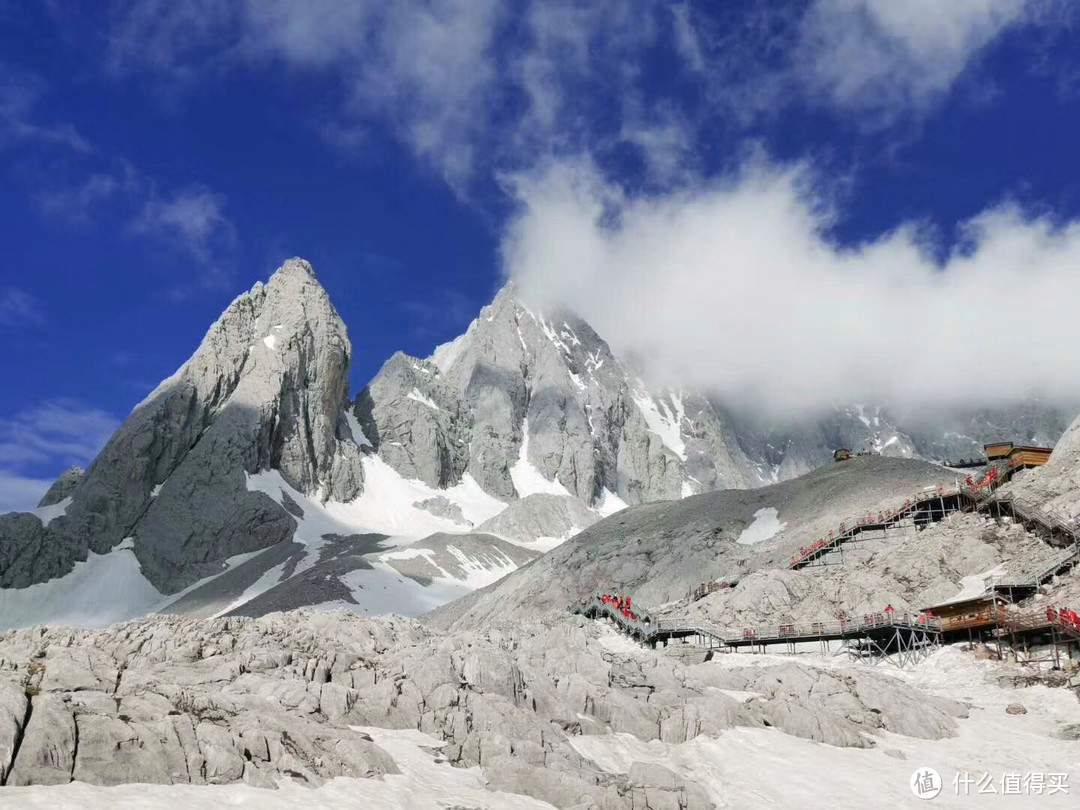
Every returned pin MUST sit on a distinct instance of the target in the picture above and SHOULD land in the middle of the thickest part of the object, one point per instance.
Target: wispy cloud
(91, 185)
(885, 58)
(473, 84)
(79, 201)
(18, 309)
(57, 433)
(192, 219)
(40, 442)
(20, 93)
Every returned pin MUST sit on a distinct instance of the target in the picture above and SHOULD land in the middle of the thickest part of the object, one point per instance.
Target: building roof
(982, 600)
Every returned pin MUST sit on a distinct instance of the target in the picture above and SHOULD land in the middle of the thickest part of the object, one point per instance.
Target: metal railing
(646, 628)
(869, 521)
(1066, 560)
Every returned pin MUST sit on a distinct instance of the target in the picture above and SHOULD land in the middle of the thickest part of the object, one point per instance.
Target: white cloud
(890, 57)
(192, 218)
(686, 37)
(423, 68)
(78, 202)
(79, 188)
(734, 287)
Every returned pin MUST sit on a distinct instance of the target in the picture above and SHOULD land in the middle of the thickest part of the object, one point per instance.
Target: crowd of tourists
(622, 603)
(1066, 618)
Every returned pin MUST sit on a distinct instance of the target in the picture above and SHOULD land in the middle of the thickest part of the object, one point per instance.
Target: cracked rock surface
(174, 700)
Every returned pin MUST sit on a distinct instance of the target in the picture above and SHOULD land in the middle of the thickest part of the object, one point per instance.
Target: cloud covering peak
(735, 286)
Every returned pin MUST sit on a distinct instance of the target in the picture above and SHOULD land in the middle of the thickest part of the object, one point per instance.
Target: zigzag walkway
(973, 496)
(883, 636)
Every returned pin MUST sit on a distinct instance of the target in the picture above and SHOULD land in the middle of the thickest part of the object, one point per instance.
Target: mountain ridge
(251, 460)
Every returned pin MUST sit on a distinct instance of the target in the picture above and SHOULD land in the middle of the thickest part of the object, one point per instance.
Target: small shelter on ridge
(1020, 455)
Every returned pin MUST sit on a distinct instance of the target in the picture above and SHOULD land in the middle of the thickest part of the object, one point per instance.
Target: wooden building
(977, 613)
(997, 451)
(1030, 456)
(1020, 455)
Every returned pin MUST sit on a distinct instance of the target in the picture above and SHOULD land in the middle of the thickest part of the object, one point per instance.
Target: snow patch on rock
(766, 525)
(527, 479)
(47, 514)
(663, 420)
(357, 431)
(609, 503)
(423, 400)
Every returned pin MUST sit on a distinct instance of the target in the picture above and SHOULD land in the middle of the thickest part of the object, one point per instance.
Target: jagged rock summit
(528, 402)
(265, 390)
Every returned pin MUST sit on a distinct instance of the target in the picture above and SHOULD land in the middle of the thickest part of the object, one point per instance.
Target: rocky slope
(172, 701)
(658, 551)
(1056, 486)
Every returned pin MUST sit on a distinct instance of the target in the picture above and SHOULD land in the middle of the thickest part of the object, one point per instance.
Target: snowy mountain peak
(265, 389)
(535, 402)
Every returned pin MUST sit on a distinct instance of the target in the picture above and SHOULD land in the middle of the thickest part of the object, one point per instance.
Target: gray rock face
(443, 507)
(541, 516)
(265, 390)
(62, 486)
(1056, 486)
(591, 424)
(414, 421)
(170, 701)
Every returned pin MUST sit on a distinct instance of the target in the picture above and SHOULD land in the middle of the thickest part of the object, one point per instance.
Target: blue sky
(160, 158)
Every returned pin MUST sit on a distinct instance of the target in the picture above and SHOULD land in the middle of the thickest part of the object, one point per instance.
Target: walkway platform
(879, 636)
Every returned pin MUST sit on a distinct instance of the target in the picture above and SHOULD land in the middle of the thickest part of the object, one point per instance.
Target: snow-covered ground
(387, 506)
(609, 503)
(426, 782)
(388, 503)
(382, 590)
(101, 590)
(765, 768)
(107, 588)
(975, 585)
